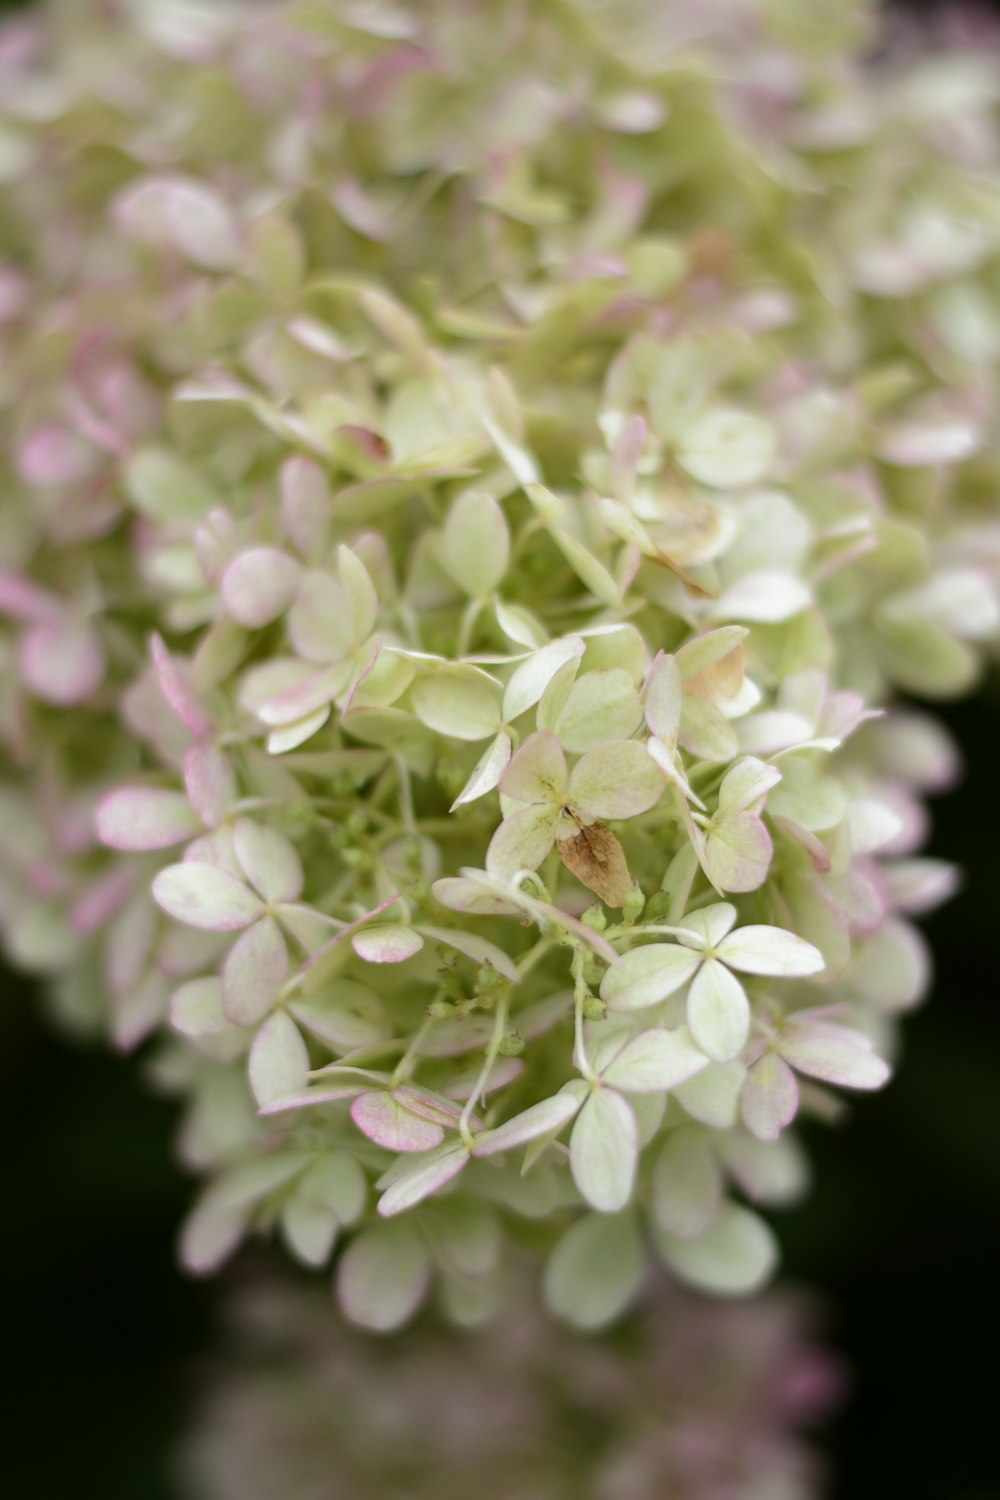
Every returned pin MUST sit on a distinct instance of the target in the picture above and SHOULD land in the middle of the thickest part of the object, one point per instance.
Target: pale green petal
(595, 1271)
(616, 780)
(604, 1151)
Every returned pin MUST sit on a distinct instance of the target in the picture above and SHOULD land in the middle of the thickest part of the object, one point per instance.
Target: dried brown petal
(597, 859)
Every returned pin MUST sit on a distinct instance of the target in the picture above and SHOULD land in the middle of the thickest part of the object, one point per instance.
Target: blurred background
(106, 1342)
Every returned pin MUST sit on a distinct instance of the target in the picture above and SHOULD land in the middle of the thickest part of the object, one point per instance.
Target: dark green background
(103, 1340)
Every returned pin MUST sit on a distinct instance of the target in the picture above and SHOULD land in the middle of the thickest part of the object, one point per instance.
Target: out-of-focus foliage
(462, 461)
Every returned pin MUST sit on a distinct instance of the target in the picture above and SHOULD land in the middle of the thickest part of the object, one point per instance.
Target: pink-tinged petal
(211, 1233)
(647, 975)
(737, 855)
(419, 1179)
(718, 1012)
(475, 947)
(269, 860)
(137, 818)
(537, 773)
(387, 943)
(316, 965)
(63, 662)
(254, 971)
(384, 1119)
(769, 1097)
(533, 676)
(663, 697)
(279, 1061)
(305, 505)
(55, 457)
(545, 1118)
(307, 1098)
(259, 585)
(744, 787)
(917, 886)
(22, 599)
(834, 1054)
(654, 1062)
(487, 773)
(769, 950)
(203, 896)
(175, 687)
(616, 780)
(129, 943)
(102, 899)
(383, 1276)
(291, 736)
(210, 783)
(302, 692)
(437, 1108)
(604, 1151)
(522, 841)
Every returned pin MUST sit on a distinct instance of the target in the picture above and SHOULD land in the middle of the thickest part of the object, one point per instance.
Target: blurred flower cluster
(690, 1399)
(476, 477)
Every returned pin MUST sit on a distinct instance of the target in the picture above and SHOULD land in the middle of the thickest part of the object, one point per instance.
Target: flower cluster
(694, 1400)
(475, 480)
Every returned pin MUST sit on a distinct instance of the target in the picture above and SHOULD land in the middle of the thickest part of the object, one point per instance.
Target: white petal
(769, 950)
(655, 1061)
(533, 676)
(522, 841)
(254, 971)
(203, 896)
(486, 773)
(663, 697)
(604, 1151)
(422, 1177)
(137, 818)
(648, 975)
(268, 860)
(718, 1012)
(259, 585)
(386, 943)
(546, 1118)
(279, 1062)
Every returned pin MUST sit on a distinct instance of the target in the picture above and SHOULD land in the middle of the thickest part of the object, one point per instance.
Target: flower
(458, 575)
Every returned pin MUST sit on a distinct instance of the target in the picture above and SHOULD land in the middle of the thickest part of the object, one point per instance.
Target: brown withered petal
(597, 859)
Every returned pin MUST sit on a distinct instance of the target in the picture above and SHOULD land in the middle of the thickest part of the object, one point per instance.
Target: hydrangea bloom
(694, 1400)
(477, 480)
